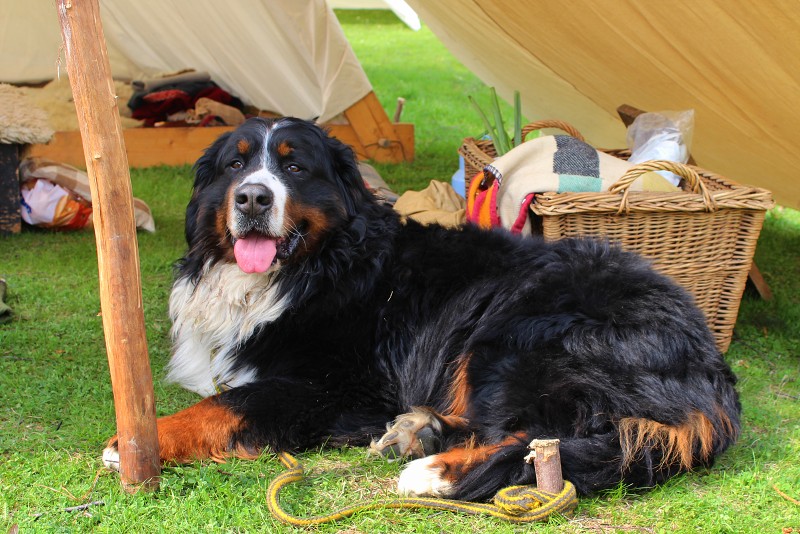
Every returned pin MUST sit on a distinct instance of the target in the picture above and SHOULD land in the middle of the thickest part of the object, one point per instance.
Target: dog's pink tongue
(254, 254)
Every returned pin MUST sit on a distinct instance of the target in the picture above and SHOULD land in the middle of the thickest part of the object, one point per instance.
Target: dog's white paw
(111, 458)
(422, 478)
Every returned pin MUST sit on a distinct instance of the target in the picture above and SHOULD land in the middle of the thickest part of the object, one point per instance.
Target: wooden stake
(547, 463)
(115, 232)
(399, 109)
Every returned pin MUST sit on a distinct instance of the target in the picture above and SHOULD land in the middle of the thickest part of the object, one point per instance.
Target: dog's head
(269, 192)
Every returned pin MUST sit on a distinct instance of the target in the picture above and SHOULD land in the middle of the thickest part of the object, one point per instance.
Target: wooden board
(374, 130)
(148, 147)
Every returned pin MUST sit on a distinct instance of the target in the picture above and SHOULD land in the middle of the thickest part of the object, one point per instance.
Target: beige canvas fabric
(735, 62)
(286, 56)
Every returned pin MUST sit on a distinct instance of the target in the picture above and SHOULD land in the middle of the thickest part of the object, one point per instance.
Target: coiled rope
(518, 504)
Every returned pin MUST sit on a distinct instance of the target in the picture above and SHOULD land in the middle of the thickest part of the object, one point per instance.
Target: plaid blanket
(559, 163)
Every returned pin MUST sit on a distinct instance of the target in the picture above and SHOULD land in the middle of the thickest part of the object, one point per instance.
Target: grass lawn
(56, 407)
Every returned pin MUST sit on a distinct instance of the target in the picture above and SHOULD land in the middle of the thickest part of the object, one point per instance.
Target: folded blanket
(21, 120)
(156, 106)
(559, 163)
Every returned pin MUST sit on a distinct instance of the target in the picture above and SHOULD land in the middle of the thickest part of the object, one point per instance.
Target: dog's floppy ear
(351, 184)
(205, 169)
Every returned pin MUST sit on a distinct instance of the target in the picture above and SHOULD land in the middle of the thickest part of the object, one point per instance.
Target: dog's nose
(253, 199)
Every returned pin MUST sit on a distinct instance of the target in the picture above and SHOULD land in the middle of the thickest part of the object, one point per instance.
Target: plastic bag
(57, 196)
(49, 205)
(663, 135)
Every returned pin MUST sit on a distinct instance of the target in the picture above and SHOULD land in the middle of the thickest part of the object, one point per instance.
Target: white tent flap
(286, 56)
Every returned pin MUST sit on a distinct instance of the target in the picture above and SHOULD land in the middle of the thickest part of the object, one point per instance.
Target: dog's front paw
(423, 478)
(416, 434)
(111, 454)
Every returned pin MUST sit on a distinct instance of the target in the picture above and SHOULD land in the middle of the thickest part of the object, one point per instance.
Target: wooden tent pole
(115, 232)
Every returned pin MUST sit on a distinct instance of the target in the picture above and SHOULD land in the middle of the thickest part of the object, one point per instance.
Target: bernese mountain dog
(307, 313)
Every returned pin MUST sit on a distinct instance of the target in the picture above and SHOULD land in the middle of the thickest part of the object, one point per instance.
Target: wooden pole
(115, 232)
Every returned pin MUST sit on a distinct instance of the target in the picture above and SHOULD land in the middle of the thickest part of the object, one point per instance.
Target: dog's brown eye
(292, 168)
(236, 164)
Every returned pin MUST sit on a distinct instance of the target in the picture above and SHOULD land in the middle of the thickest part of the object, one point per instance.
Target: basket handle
(551, 123)
(684, 171)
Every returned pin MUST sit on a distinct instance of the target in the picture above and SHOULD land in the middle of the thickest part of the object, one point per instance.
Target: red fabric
(522, 218)
(158, 105)
(214, 93)
(169, 94)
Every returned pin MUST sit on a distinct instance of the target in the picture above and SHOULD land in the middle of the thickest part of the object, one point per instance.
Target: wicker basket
(703, 237)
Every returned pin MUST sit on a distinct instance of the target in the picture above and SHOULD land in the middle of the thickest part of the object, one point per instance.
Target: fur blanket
(21, 122)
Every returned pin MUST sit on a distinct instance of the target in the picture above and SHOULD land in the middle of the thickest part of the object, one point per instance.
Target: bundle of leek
(495, 128)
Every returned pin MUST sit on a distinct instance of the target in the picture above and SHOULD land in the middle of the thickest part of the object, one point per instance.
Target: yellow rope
(518, 504)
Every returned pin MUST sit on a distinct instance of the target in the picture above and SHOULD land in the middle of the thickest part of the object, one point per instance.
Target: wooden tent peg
(546, 459)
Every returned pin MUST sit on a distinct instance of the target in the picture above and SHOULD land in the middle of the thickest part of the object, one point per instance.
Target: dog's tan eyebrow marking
(284, 149)
(243, 146)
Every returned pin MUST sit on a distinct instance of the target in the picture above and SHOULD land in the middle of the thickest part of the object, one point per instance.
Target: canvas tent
(735, 62)
(285, 56)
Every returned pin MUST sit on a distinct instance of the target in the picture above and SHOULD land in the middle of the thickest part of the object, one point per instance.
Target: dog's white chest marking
(210, 320)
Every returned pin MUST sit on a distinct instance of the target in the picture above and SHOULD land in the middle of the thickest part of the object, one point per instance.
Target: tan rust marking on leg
(199, 432)
(676, 443)
(454, 422)
(460, 390)
(448, 422)
(457, 462)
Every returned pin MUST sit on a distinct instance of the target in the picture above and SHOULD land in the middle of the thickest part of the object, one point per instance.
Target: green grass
(56, 407)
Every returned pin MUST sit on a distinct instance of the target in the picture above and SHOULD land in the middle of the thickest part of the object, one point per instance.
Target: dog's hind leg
(477, 473)
(592, 462)
(444, 474)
